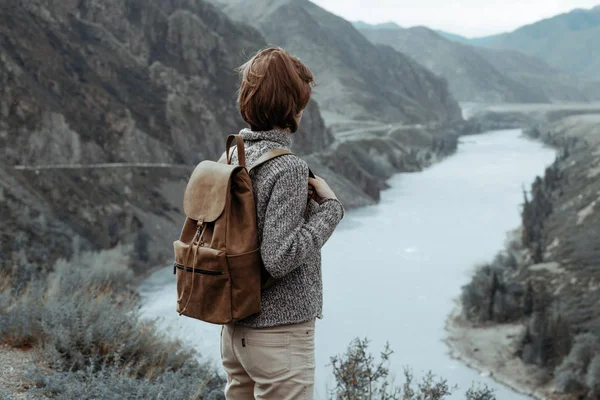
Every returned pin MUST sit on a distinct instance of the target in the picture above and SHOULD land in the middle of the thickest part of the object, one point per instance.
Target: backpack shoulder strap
(269, 155)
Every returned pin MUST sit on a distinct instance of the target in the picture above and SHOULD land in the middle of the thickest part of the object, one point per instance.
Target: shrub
(91, 334)
(141, 246)
(97, 330)
(477, 295)
(20, 320)
(592, 378)
(111, 383)
(359, 377)
(480, 393)
(569, 381)
(548, 339)
(17, 275)
(505, 260)
(5, 395)
(490, 296)
(108, 268)
(75, 319)
(570, 375)
(5, 300)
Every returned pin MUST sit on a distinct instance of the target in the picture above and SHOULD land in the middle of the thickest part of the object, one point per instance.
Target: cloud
(466, 17)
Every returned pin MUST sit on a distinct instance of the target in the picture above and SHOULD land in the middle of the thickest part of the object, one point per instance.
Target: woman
(270, 355)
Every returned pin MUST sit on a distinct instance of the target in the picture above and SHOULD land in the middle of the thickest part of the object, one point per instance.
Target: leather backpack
(217, 256)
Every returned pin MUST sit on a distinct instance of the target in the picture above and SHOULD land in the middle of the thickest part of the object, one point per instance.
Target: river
(392, 271)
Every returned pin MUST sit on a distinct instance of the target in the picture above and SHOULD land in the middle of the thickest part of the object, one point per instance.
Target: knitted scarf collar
(282, 138)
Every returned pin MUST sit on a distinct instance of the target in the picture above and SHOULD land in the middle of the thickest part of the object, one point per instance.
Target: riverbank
(532, 353)
(425, 232)
(490, 350)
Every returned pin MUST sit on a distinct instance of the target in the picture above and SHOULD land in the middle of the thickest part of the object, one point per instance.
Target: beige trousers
(269, 363)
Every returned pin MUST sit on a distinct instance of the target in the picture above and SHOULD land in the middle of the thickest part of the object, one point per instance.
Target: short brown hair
(275, 88)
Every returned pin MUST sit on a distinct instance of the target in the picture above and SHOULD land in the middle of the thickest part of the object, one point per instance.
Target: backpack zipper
(197, 270)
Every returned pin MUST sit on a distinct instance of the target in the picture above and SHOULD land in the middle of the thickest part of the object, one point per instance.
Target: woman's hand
(321, 188)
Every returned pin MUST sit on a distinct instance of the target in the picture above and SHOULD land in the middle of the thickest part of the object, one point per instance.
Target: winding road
(100, 166)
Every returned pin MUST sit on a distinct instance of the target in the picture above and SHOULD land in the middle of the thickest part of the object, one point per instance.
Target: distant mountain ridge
(355, 78)
(479, 41)
(484, 75)
(453, 36)
(385, 25)
(568, 41)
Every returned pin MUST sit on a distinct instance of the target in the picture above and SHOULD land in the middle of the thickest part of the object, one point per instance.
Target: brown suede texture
(218, 264)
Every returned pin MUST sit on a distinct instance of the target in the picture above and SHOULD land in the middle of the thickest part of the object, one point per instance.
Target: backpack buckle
(200, 232)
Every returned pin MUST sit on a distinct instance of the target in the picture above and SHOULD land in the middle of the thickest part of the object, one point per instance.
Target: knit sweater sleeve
(288, 238)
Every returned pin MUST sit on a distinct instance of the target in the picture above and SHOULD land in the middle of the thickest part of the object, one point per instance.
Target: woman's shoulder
(285, 165)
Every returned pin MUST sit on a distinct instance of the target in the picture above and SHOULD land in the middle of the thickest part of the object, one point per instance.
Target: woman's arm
(288, 239)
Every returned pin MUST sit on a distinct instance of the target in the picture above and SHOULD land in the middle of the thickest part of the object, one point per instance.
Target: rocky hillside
(548, 278)
(94, 91)
(121, 81)
(484, 75)
(567, 41)
(107, 81)
(356, 79)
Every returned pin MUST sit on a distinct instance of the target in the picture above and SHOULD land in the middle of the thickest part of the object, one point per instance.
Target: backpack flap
(206, 191)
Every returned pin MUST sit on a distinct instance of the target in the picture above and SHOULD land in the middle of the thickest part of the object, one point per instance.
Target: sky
(470, 18)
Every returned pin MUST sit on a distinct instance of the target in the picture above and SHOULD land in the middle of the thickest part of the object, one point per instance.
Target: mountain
(132, 82)
(355, 78)
(113, 81)
(363, 25)
(107, 105)
(453, 36)
(567, 41)
(554, 84)
(479, 41)
(484, 75)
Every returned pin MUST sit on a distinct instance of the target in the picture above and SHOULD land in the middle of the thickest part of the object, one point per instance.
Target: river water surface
(392, 271)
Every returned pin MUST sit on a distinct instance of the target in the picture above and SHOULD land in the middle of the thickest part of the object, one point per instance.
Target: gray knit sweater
(290, 244)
